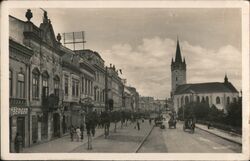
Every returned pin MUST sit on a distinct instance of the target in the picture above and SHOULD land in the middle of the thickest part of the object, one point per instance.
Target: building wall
(211, 99)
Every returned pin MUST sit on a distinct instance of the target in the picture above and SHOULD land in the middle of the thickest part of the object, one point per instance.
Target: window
(198, 99)
(217, 100)
(228, 100)
(235, 99)
(207, 99)
(176, 79)
(20, 86)
(182, 101)
(45, 88)
(35, 84)
(66, 85)
(10, 83)
(178, 103)
(203, 100)
(186, 100)
(82, 85)
(56, 86)
(75, 88)
(86, 86)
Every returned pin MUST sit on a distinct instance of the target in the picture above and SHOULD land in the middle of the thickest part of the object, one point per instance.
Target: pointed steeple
(225, 79)
(178, 52)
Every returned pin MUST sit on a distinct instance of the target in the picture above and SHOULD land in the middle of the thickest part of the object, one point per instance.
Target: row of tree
(201, 111)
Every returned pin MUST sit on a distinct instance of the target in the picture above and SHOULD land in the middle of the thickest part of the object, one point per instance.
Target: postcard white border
(122, 4)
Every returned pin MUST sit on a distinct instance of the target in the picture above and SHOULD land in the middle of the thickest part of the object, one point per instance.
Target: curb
(220, 136)
(144, 139)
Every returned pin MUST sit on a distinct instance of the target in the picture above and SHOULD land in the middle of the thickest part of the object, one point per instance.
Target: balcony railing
(18, 101)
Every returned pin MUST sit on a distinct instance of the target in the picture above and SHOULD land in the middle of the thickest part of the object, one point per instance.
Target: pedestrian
(82, 130)
(18, 143)
(72, 131)
(138, 124)
(150, 121)
(78, 133)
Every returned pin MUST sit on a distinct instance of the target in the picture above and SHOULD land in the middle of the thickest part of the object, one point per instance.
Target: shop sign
(18, 111)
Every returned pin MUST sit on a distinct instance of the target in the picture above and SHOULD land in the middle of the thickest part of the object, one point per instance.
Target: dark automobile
(158, 121)
(189, 124)
(172, 123)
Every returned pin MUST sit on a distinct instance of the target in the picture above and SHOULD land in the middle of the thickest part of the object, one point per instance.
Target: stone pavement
(63, 144)
(221, 133)
(125, 140)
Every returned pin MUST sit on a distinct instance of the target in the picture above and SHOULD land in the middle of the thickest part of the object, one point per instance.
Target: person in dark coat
(72, 131)
(18, 143)
(138, 124)
(82, 130)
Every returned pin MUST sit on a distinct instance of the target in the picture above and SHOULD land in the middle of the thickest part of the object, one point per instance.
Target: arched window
(20, 86)
(10, 83)
(56, 85)
(217, 100)
(203, 100)
(186, 100)
(182, 101)
(198, 99)
(45, 84)
(228, 100)
(235, 99)
(207, 99)
(35, 83)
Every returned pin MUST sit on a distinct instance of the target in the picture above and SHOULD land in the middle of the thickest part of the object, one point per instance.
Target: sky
(142, 42)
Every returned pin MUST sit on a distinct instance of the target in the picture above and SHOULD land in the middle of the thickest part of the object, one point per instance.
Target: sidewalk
(64, 144)
(125, 140)
(221, 133)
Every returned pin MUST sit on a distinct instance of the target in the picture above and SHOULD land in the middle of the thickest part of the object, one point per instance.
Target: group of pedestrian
(78, 132)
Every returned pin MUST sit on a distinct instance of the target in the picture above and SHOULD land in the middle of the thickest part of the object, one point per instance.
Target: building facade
(97, 62)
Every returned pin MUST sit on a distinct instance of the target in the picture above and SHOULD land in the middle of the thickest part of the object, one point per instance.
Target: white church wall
(221, 104)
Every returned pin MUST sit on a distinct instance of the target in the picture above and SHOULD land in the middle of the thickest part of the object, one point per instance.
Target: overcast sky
(142, 42)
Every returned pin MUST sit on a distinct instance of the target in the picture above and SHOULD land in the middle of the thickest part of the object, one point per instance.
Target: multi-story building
(115, 88)
(19, 67)
(134, 98)
(44, 81)
(97, 62)
(78, 79)
(146, 103)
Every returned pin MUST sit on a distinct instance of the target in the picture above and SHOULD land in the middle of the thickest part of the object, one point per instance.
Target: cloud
(147, 66)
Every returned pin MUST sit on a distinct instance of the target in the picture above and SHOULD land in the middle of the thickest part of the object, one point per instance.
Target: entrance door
(34, 129)
(56, 124)
(21, 128)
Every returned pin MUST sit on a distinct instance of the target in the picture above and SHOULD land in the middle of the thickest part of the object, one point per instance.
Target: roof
(90, 52)
(210, 87)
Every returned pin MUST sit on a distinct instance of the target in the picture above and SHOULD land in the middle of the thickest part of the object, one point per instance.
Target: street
(129, 139)
(178, 141)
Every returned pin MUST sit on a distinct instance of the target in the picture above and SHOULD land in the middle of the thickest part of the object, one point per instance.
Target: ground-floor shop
(18, 124)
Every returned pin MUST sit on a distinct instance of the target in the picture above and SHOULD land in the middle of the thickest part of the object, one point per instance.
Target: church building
(219, 94)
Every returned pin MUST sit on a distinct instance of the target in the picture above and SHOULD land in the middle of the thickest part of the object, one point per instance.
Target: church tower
(178, 69)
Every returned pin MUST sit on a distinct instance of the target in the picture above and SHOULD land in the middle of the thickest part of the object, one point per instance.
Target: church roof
(210, 87)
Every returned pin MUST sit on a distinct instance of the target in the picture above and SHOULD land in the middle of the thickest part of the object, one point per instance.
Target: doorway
(21, 128)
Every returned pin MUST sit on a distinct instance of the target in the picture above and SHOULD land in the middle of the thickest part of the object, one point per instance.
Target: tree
(234, 114)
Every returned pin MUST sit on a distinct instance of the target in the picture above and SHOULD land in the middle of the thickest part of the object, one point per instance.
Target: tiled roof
(210, 87)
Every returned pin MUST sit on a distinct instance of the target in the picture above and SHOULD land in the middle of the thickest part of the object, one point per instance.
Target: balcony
(18, 101)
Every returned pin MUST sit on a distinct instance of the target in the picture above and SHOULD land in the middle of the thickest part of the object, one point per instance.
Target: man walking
(138, 124)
